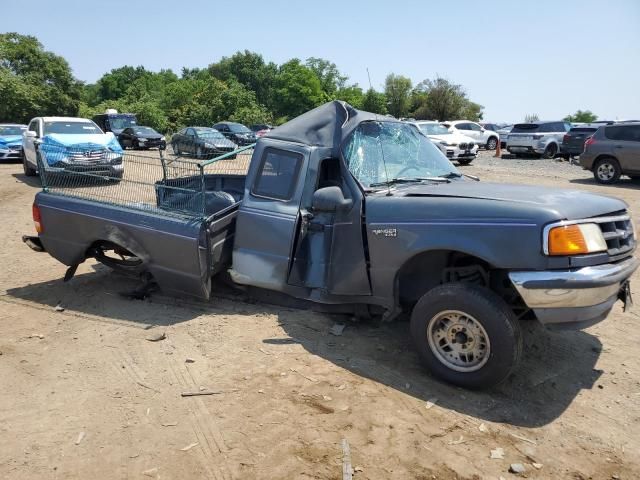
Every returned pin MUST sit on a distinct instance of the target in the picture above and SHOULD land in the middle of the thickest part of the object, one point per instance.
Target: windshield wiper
(458, 175)
(395, 181)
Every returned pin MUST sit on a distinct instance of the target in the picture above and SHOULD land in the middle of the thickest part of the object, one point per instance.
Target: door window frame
(299, 157)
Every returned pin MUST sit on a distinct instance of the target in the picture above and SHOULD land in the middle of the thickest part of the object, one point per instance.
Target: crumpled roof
(325, 126)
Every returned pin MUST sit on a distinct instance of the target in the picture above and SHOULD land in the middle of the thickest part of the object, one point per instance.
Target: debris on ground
(517, 468)
(189, 447)
(497, 453)
(483, 428)
(152, 472)
(532, 442)
(430, 403)
(357, 469)
(201, 392)
(347, 471)
(169, 424)
(459, 441)
(189, 360)
(59, 308)
(80, 437)
(537, 466)
(36, 335)
(156, 337)
(337, 329)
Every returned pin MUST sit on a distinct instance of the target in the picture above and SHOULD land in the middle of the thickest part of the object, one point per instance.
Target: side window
(277, 174)
(614, 133)
(630, 133)
(473, 126)
(462, 126)
(191, 132)
(33, 127)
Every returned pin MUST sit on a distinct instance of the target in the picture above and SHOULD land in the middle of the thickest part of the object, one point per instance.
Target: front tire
(492, 143)
(29, 171)
(466, 335)
(607, 171)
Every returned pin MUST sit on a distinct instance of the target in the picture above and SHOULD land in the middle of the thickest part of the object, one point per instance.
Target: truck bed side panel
(173, 249)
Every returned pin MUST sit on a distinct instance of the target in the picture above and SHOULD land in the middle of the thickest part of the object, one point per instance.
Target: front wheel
(492, 143)
(29, 171)
(466, 335)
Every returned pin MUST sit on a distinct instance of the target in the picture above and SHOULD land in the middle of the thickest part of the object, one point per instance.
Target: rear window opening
(583, 130)
(525, 128)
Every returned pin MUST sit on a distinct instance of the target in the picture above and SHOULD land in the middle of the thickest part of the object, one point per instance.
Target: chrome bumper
(582, 296)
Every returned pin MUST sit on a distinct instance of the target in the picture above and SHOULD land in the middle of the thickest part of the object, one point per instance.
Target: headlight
(576, 239)
(142, 140)
(162, 139)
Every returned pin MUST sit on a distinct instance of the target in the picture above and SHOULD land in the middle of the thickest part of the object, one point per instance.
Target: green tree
(440, 99)
(581, 116)
(374, 102)
(34, 81)
(327, 72)
(249, 69)
(397, 90)
(298, 89)
(353, 95)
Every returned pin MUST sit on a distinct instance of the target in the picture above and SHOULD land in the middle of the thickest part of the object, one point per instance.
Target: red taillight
(589, 141)
(37, 219)
(565, 138)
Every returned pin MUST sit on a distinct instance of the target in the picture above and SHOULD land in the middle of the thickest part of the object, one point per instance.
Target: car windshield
(11, 130)
(381, 152)
(433, 129)
(238, 128)
(71, 128)
(209, 133)
(144, 131)
(120, 123)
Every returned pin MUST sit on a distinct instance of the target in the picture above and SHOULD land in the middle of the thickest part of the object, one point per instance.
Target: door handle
(618, 146)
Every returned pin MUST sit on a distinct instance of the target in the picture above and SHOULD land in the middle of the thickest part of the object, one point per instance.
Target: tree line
(243, 87)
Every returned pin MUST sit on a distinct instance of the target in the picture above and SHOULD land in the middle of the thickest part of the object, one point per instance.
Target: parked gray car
(537, 138)
(612, 151)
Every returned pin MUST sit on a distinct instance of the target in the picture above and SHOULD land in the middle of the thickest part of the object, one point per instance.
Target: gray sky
(545, 57)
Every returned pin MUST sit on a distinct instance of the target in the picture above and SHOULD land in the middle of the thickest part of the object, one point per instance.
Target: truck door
(329, 251)
(269, 215)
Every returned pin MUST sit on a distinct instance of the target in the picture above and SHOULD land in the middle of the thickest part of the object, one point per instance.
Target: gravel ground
(86, 395)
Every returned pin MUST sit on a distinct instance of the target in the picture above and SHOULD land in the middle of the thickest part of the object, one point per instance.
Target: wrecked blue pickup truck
(341, 206)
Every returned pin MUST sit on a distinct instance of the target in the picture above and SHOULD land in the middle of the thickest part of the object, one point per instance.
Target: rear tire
(492, 143)
(607, 171)
(466, 335)
(29, 171)
(551, 151)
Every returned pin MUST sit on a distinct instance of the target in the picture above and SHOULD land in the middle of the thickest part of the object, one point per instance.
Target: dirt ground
(84, 394)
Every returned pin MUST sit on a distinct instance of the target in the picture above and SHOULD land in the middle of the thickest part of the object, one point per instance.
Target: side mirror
(330, 199)
(30, 134)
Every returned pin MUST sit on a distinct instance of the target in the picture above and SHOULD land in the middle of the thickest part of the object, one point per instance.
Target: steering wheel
(406, 169)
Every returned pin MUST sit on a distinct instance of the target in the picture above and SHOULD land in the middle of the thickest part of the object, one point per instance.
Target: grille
(87, 155)
(618, 233)
(463, 146)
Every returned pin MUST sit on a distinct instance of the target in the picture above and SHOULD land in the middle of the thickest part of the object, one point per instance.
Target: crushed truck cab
(344, 207)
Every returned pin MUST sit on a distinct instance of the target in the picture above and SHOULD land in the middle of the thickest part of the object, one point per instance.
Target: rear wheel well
(429, 269)
(604, 156)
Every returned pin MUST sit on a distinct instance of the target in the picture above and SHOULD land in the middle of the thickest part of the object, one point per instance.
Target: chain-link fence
(156, 181)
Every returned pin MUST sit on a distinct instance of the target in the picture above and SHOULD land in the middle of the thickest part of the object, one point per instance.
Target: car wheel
(492, 143)
(550, 151)
(466, 335)
(29, 171)
(465, 161)
(607, 170)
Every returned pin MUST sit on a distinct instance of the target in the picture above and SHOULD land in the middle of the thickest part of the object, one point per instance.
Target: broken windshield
(379, 152)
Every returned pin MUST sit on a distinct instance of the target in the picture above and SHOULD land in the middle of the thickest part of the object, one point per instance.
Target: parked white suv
(62, 145)
(537, 138)
(453, 144)
(485, 138)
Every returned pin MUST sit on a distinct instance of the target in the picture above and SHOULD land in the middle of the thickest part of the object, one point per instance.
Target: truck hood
(567, 204)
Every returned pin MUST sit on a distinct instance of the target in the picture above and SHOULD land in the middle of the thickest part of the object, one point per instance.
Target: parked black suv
(612, 151)
(236, 132)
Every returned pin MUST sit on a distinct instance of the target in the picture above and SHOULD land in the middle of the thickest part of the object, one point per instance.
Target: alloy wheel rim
(606, 171)
(458, 341)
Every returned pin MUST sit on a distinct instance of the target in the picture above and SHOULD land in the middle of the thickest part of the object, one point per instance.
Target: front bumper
(457, 152)
(11, 154)
(573, 298)
(525, 149)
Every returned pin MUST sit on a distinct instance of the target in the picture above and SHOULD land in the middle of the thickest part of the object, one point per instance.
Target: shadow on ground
(622, 183)
(31, 181)
(555, 368)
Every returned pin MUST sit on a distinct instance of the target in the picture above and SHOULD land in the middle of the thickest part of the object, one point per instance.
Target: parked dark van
(115, 122)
